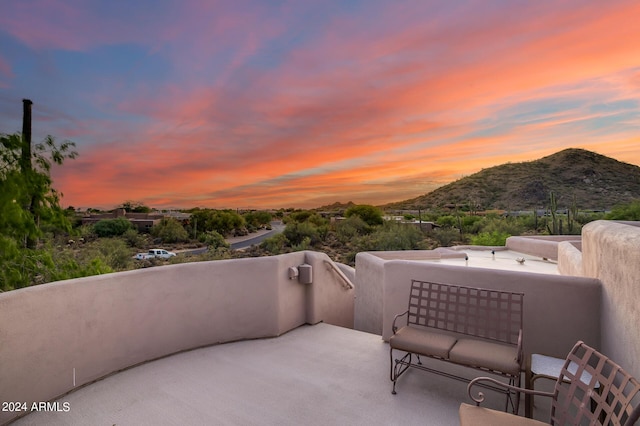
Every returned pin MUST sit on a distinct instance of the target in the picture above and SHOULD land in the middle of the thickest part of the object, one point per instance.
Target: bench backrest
(489, 314)
(605, 394)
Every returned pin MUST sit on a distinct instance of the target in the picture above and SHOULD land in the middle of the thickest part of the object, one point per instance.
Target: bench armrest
(479, 398)
(394, 328)
(520, 350)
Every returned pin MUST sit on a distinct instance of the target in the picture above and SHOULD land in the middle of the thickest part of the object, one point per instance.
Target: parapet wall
(610, 252)
(58, 336)
(545, 246)
(559, 310)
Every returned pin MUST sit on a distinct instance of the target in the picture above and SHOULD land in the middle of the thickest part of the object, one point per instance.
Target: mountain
(597, 182)
(337, 206)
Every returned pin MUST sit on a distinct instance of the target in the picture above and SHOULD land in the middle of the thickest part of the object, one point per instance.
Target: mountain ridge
(592, 181)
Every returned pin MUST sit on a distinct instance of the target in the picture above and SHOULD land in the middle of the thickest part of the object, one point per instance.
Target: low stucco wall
(98, 325)
(570, 258)
(545, 246)
(610, 253)
(558, 311)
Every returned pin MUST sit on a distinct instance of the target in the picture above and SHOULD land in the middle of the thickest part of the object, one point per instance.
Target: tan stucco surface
(611, 253)
(83, 329)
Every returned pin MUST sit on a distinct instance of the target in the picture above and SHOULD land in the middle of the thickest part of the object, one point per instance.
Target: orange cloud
(260, 110)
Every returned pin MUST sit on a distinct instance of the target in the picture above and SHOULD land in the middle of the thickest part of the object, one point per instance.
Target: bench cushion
(480, 353)
(480, 416)
(416, 340)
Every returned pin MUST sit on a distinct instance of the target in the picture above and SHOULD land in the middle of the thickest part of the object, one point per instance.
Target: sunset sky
(268, 103)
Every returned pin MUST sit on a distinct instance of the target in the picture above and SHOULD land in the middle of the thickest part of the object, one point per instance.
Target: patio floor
(313, 375)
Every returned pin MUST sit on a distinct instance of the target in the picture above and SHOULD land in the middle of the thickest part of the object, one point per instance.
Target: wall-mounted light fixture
(304, 273)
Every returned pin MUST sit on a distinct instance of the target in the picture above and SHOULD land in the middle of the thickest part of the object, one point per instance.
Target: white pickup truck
(163, 254)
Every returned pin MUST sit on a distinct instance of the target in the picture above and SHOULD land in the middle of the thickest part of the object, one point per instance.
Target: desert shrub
(446, 237)
(224, 222)
(495, 238)
(447, 221)
(213, 240)
(391, 236)
(133, 238)
(629, 211)
(471, 224)
(169, 230)
(115, 253)
(306, 216)
(258, 218)
(304, 244)
(67, 267)
(296, 232)
(350, 228)
(370, 214)
(111, 227)
(510, 226)
(275, 244)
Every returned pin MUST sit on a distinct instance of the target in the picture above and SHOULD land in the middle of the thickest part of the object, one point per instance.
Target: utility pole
(25, 163)
(26, 167)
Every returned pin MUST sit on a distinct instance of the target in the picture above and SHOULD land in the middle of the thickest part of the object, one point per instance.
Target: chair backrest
(593, 390)
(490, 314)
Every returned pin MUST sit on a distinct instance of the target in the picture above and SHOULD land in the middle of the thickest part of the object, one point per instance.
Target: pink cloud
(394, 100)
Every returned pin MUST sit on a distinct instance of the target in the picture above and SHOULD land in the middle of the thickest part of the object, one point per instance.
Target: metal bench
(473, 327)
(590, 390)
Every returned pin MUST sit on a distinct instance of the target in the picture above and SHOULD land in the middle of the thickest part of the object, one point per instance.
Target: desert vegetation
(42, 242)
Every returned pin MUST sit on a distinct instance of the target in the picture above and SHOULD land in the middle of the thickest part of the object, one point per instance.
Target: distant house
(420, 224)
(141, 221)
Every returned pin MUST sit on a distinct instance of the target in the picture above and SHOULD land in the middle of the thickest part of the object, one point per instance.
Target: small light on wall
(293, 272)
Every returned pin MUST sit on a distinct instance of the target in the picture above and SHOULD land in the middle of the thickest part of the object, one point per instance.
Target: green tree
(169, 230)
(370, 214)
(112, 227)
(224, 222)
(27, 199)
(135, 207)
(258, 218)
(28, 204)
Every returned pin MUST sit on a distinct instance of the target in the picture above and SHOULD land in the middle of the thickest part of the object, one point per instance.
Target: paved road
(277, 227)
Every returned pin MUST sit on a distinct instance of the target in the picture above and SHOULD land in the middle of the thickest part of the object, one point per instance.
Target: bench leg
(398, 367)
(514, 399)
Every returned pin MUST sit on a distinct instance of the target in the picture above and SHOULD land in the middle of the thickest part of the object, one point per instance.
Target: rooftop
(249, 341)
(312, 375)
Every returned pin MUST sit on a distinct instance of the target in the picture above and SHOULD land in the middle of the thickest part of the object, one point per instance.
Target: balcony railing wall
(58, 336)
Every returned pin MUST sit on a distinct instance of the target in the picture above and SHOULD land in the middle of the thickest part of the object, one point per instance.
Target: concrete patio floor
(313, 375)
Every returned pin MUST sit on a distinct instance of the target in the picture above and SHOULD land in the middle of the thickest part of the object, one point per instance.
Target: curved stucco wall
(98, 325)
(558, 311)
(610, 252)
(570, 258)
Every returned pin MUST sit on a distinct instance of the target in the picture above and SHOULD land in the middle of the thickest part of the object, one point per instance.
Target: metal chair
(591, 390)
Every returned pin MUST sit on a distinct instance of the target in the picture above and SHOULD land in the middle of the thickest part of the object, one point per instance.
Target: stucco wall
(329, 301)
(369, 293)
(611, 252)
(98, 325)
(545, 246)
(570, 258)
(558, 310)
